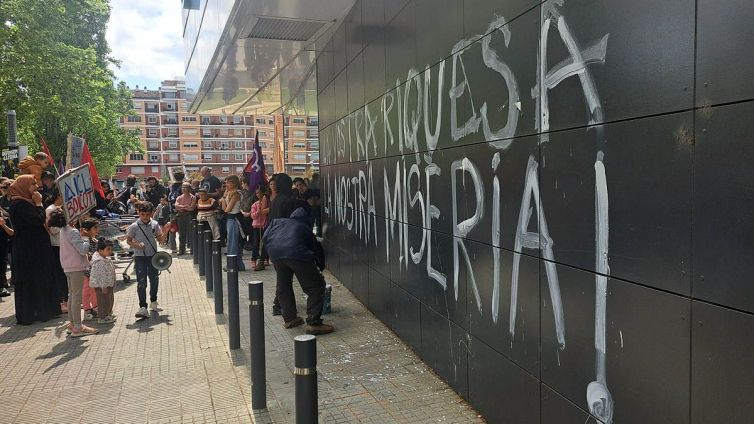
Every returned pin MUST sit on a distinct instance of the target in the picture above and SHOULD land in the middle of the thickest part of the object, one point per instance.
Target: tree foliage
(54, 72)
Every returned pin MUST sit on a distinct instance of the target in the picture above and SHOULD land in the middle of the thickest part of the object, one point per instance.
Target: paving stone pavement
(176, 367)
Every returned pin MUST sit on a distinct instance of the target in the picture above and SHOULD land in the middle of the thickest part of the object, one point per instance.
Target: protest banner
(172, 170)
(74, 152)
(77, 191)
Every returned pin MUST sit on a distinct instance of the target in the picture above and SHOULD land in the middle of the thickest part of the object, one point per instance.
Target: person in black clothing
(294, 250)
(48, 184)
(36, 296)
(154, 191)
(6, 241)
(130, 189)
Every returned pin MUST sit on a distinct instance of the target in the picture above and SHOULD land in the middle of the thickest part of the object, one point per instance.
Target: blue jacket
(292, 238)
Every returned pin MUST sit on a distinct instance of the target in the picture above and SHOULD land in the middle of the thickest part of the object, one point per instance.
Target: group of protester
(71, 269)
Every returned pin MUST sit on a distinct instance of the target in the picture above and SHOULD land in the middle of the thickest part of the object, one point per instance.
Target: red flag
(49, 155)
(86, 157)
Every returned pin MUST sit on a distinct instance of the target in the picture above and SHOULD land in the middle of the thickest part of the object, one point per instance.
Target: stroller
(113, 227)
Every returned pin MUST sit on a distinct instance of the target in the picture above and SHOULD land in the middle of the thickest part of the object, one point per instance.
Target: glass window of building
(239, 156)
(136, 156)
(299, 145)
(238, 144)
(207, 144)
(190, 144)
(207, 156)
(190, 131)
(226, 169)
(172, 144)
(223, 119)
(190, 157)
(206, 132)
(239, 169)
(154, 157)
(259, 120)
(299, 133)
(225, 156)
(173, 157)
(155, 169)
(134, 118)
(152, 119)
(238, 132)
(137, 170)
(224, 144)
(237, 119)
(298, 120)
(299, 156)
(154, 144)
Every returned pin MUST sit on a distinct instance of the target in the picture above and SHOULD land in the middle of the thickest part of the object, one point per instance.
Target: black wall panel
(721, 376)
(534, 194)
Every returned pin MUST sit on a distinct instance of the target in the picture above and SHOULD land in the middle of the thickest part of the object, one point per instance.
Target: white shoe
(154, 306)
(142, 313)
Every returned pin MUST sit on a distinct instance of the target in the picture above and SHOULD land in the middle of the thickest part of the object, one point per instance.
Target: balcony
(170, 122)
(151, 110)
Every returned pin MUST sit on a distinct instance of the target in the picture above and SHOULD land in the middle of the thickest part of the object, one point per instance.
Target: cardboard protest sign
(77, 191)
(75, 151)
(172, 170)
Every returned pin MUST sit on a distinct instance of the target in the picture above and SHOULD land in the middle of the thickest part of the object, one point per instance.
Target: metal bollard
(305, 372)
(217, 271)
(192, 241)
(209, 275)
(234, 324)
(256, 339)
(200, 247)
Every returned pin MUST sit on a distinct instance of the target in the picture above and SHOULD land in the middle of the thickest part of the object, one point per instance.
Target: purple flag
(255, 170)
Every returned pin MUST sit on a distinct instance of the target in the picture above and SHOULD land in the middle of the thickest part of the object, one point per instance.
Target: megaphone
(162, 261)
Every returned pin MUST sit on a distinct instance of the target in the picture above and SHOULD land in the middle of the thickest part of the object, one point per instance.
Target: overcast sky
(145, 35)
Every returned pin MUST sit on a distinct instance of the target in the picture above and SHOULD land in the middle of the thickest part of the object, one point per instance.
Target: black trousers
(144, 270)
(312, 283)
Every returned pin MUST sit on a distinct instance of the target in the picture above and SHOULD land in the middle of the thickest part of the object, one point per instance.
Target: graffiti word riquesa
(407, 184)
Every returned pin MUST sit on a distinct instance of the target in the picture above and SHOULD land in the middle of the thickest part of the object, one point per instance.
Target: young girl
(259, 211)
(231, 204)
(102, 280)
(89, 229)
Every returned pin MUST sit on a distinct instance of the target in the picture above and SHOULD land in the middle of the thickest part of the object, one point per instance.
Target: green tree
(54, 72)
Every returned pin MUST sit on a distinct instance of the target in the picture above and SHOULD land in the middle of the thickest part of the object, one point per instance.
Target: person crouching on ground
(143, 236)
(102, 280)
(294, 250)
(74, 250)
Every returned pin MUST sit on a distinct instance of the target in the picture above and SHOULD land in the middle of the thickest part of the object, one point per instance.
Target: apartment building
(170, 136)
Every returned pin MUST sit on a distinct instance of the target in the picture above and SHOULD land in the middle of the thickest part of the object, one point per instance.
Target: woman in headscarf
(35, 295)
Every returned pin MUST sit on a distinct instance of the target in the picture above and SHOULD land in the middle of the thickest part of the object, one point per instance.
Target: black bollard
(192, 241)
(256, 339)
(217, 271)
(305, 372)
(234, 321)
(200, 247)
(209, 275)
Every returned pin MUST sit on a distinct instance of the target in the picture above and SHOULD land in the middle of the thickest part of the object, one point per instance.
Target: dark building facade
(551, 203)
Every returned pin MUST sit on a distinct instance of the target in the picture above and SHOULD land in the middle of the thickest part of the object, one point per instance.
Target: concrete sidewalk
(176, 365)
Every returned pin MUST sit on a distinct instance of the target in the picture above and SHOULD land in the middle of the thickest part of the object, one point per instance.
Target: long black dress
(35, 292)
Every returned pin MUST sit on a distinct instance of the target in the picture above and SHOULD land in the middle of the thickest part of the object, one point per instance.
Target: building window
(190, 157)
(314, 145)
(152, 132)
(223, 119)
(262, 144)
(299, 156)
(224, 144)
(300, 134)
(206, 132)
(139, 105)
(226, 169)
(205, 120)
(270, 122)
(168, 95)
(154, 144)
(153, 157)
(223, 132)
(172, 144)
(239, 169)
(169, 106)
(237, 119)
(173, 158)
(239, 156)
(152, 119)
(298, 120)
(134, 118)
(238, 132)
(259, 120)
(137, 170)
(207, 144)
(238, 144)
(225, 156)
(173, 132)
(299, 145)
(313, 122)
(188, 118)
(207, 156)
(262, 133)
(190, 132)
(136, 156)
(190, 144)
(155, 169)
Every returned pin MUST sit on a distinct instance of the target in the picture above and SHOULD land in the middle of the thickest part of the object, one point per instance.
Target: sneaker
(106, 320)
(142, 313)
(68, 327)
(88, 316)
(154, 306)
(259, 266)
(319, 329)
(295, 322)
(83, 331)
